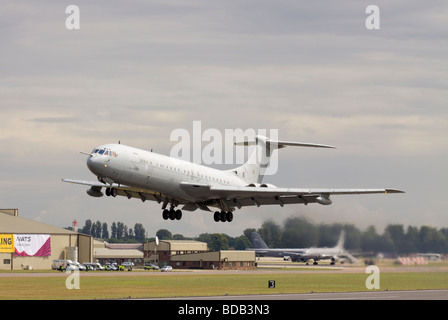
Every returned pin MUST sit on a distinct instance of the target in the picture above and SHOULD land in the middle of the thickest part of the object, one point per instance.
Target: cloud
(136, 71)
(50, 120)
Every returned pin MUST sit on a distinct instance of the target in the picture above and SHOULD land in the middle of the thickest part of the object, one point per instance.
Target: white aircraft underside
(135, 173)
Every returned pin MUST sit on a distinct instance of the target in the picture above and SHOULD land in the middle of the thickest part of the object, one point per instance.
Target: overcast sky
(137, 70)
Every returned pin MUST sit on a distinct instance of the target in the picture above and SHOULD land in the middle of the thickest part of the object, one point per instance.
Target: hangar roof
(177, 245)
(15, 224)
(107, 253)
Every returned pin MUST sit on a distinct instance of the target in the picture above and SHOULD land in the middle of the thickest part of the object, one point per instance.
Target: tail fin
(340, 244)
(257, 242)
(255, 168)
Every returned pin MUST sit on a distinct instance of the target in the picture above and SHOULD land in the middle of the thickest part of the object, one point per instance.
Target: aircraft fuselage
(120, 164)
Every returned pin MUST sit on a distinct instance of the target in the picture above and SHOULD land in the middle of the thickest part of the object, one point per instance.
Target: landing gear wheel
(111, 192)
(172, 215)
(165, 214)
(223, 216)
(178, 214)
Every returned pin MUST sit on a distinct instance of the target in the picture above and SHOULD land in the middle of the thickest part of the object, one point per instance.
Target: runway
(363, 295)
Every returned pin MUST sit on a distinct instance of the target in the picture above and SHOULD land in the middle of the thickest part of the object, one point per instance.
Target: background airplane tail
(257, 242)
(341, 241)
(255, 168)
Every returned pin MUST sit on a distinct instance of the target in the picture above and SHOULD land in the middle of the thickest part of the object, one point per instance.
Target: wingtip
(394, 191)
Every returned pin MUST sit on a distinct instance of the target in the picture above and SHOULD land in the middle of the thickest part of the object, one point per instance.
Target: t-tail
(259, 161)
(340, 244)
(257, 242)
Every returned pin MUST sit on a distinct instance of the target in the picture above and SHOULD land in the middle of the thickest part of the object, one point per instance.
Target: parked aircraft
(134, 173)
(303, 254)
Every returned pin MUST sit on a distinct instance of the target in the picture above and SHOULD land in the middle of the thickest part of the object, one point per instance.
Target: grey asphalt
(363, 295)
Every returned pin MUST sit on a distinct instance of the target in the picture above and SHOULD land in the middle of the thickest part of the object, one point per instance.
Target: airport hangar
(62, 244)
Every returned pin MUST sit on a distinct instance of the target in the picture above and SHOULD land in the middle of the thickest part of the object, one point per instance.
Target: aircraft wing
(85, 183)
(249, 196)
(229, 197)
(122, 190)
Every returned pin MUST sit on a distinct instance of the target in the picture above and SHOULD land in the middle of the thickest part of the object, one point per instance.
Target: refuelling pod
(324, 199)
(95, 192)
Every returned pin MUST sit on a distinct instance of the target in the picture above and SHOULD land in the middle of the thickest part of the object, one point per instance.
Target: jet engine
(267, 185)
(263, 185)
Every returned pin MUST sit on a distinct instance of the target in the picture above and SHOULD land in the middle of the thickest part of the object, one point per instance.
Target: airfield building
(29, 244)
(188, 254)
(104, 252)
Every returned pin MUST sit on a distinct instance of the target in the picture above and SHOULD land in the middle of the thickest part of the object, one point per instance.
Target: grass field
(116, 285)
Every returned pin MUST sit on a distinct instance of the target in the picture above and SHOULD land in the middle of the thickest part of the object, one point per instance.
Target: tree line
(119, 231)
(298, 232)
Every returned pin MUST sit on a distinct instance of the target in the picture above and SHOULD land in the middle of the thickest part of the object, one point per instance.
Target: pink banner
(32, 245)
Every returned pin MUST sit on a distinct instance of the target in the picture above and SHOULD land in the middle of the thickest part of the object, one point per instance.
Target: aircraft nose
(92, 163)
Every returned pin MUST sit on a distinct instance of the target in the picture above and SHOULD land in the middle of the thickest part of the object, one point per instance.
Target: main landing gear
(172, 214)
(223, 216)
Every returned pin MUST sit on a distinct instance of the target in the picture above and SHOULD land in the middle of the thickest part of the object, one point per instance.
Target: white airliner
(136, 173)
(305, 254)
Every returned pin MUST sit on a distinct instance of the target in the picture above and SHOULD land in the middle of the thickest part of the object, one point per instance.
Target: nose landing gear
(111, 192)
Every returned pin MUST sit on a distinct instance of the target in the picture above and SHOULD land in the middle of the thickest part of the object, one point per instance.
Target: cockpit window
(105, 152)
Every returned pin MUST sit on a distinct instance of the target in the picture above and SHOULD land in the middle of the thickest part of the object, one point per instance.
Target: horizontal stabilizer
(276, 144)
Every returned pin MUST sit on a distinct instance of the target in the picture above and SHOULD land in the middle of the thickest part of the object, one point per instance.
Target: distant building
(188, 254)
(219, 260)
(117, 252)
(161, 254)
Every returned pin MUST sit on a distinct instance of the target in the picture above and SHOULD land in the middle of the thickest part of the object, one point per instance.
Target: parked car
(60, 264)
(166, 269)
(150, 266)
(80, 267)
(71, 267)
(93, 266)
(110, 266)
(127, 264)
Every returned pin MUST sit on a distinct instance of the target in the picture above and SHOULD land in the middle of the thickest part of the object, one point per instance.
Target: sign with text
(32, 245)
(6, 243)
